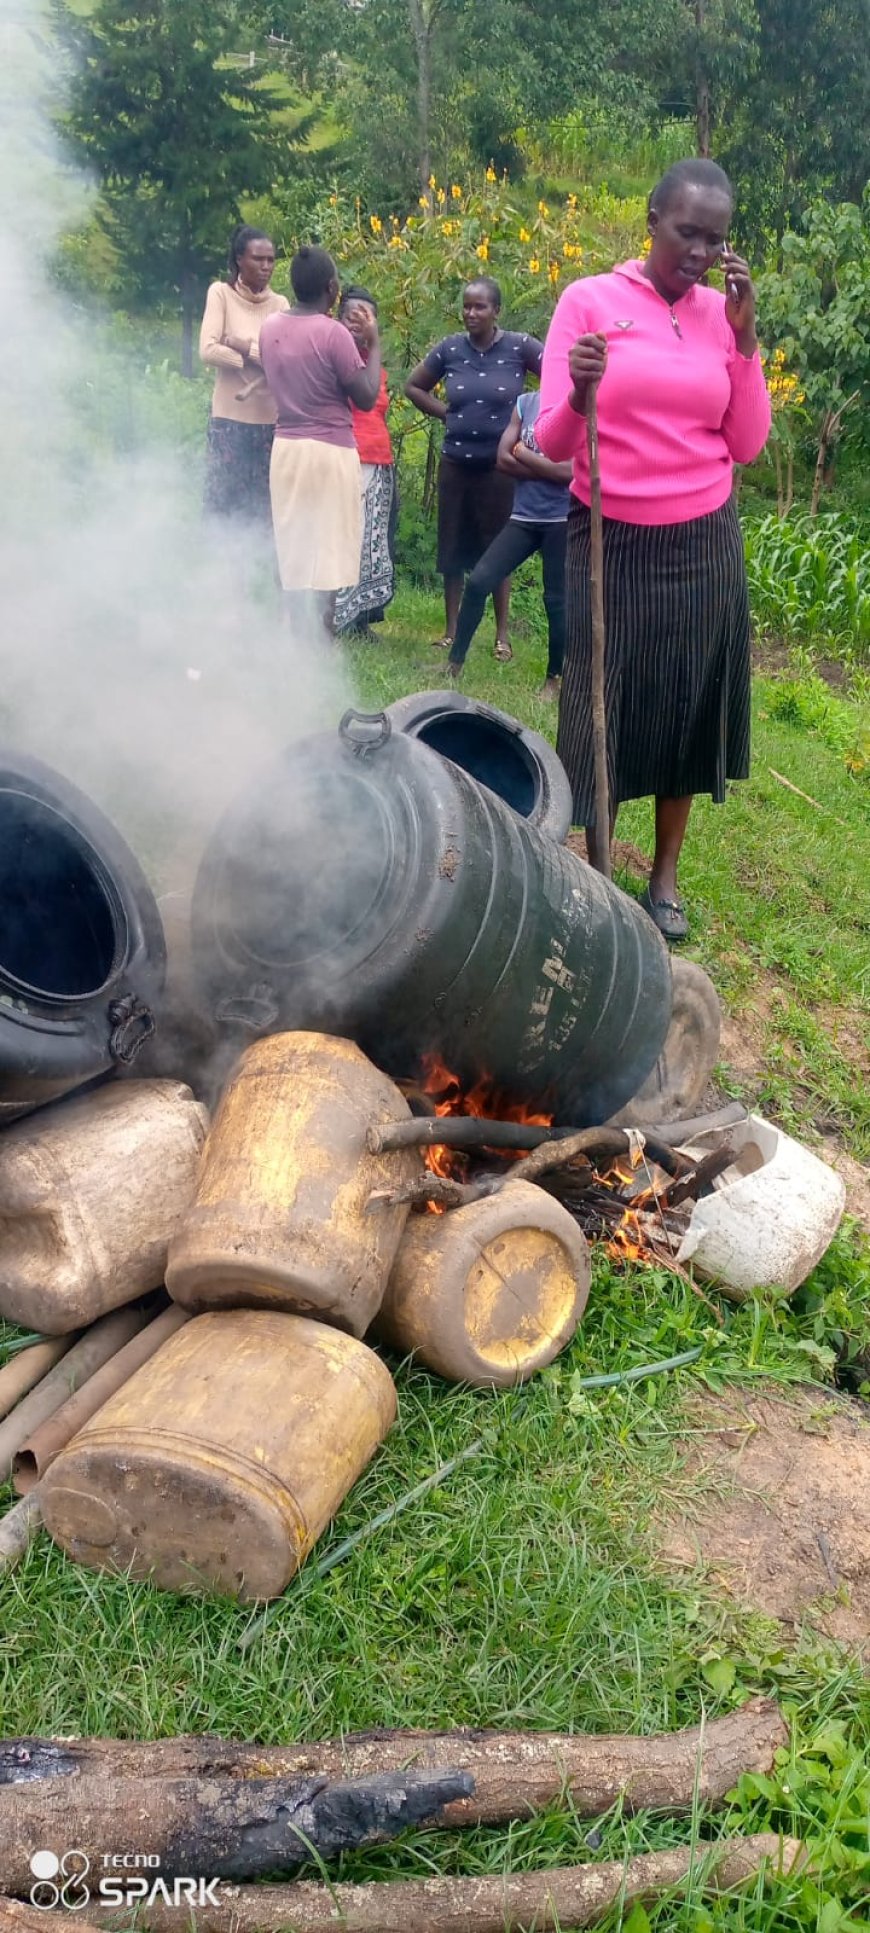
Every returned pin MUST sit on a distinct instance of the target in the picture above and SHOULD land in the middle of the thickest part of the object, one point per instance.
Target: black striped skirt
(676, 615)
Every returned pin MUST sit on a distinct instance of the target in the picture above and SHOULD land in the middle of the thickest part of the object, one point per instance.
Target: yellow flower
(441, 197)
(524, 235)
(534, 266)
(411, 221)
(554, 271)
(456, 192)
(395, 220)
(491, 174)
(396, 241)
(432, 182)
(333, 201)
(482, 250)
(449, 227)
(646, 245)
(375, 224)
(543, 209)
(572, 202)
(423, 201)
(568, 250)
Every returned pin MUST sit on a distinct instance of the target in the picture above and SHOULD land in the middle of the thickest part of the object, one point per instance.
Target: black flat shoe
(669, 915)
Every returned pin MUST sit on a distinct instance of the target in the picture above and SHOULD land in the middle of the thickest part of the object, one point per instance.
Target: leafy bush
(810, 704)
(809, 581)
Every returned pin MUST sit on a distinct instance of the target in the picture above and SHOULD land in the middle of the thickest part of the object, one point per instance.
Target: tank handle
(131, 1025)
(257, 1010)
(365, 731)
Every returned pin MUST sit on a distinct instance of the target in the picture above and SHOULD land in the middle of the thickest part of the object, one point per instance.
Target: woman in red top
(363, 604)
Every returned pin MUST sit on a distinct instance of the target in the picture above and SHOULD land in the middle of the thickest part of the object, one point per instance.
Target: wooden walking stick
(599, 845)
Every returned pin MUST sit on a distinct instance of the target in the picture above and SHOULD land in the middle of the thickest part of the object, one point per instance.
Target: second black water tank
(520, 765)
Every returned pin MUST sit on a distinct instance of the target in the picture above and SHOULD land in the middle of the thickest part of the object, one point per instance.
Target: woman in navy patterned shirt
(482, 373)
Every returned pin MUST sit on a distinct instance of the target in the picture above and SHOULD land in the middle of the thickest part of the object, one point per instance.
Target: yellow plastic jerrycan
(280, 1216)
(220, 1462)
(91, 1191)
(488, 1293)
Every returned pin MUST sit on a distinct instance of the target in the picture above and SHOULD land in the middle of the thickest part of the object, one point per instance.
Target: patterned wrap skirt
(676, 619)
(372, 594)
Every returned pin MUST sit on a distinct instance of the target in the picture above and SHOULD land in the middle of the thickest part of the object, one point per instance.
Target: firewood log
(226, 1828)
(515, 1773)
(570, 1896)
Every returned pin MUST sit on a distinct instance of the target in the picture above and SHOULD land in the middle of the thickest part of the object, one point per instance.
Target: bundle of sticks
(597, 1173)
(230, 1812)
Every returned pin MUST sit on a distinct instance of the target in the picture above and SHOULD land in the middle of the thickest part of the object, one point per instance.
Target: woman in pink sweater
(682, 398)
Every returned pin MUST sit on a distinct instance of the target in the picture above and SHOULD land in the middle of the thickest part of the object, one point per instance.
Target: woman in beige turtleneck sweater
(241, 425)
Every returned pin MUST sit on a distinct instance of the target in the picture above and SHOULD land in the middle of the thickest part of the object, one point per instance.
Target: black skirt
(473, 506)
(676, 616)
(237, 458)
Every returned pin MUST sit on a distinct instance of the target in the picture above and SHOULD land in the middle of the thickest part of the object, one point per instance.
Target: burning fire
(627, 1240)
(483, 1100)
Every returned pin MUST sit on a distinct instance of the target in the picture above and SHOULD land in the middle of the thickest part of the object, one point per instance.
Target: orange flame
(483, 1099)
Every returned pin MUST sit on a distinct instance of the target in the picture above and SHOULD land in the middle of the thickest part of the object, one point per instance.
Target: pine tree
(179, 130)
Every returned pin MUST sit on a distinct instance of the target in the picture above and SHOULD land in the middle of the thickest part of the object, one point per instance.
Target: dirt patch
(627, 857)
(779, 1506)
(772, 657)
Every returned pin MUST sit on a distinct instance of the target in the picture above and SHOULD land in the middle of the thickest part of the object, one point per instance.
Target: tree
(422, 85)
(180, 132)
(815, 313)
(797, 124)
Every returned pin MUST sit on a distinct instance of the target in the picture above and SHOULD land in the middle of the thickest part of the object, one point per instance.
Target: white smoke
(143, 658)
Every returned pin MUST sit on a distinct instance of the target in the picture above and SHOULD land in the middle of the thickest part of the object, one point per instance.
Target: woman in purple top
(315, 371)
(482, 373)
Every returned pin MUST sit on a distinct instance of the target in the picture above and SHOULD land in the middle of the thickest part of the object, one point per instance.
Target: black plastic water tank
(82, 955)
(520, 765)
(368, 887)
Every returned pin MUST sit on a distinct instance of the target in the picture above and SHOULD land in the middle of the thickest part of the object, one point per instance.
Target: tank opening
(59, 927)
(488, 752)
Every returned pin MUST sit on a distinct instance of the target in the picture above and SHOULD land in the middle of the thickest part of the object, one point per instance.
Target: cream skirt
(316, 513)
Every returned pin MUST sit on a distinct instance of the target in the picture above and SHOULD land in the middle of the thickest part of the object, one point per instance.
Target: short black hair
(356, 293)
(240, 239)
(697, 172)
(487, 282)
(311, 271)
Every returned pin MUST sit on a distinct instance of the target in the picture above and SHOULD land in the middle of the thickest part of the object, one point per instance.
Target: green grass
(523, 1591)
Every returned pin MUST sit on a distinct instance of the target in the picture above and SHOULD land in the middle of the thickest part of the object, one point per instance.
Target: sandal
(442, 644)
(503, 652)
(669, 915)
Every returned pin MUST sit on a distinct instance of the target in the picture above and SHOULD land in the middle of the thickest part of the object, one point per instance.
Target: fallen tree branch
(515, 1774)
(574, 1896)
(698, 1179)
(17, 1918)
(593, 1144)
(458, 1131)
(440, 1189)
(556, 1152)
(18, 1529)
(223, 1828)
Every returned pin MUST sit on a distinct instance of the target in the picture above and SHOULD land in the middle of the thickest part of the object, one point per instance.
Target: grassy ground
(524, 1590)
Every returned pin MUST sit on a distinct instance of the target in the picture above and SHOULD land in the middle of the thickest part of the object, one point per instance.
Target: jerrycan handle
(365, 731)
